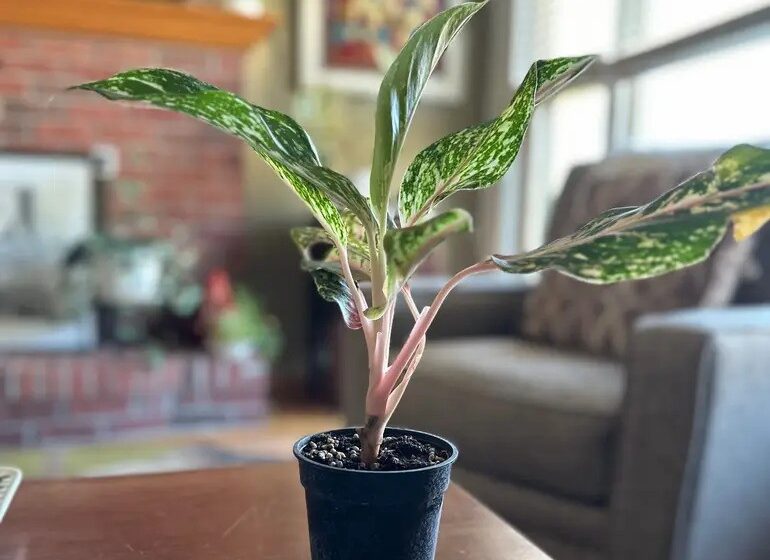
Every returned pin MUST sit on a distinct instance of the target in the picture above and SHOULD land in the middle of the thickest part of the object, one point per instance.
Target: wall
(173, 170)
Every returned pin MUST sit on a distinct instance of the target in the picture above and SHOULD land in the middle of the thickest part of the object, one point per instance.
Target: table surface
(245, 513)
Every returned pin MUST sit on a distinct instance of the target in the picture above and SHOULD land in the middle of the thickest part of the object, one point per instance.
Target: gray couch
(658, 452)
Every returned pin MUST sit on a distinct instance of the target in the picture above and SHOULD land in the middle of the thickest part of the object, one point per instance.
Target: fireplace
(72, 166)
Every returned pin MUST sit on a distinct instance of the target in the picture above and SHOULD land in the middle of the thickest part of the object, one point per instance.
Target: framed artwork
(48, 197)
(349, 44)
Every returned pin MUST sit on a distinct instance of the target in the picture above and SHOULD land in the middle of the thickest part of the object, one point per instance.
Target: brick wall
(173, 170)
(94, 396)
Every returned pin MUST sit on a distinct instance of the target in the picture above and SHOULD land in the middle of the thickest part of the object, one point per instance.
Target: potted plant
(377, 493)
(237, 326)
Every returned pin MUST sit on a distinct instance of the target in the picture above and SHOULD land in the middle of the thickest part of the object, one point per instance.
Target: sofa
(629, 422)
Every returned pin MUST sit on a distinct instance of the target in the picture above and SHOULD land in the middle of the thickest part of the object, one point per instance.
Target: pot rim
(301, 442)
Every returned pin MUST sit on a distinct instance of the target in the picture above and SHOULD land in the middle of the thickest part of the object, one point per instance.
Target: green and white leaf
(321, 258)
(406, 248)
(477, 157)
(678, 229)
(332, 288)
(306, 238)
(400, 93)
(317, 246)
(281, 142)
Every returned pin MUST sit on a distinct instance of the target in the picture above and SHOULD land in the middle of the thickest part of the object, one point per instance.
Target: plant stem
(370, 437)
(358, 298)
(426, 318)
(404, 375)
(398, 390)
(386, 386)
(376, 401)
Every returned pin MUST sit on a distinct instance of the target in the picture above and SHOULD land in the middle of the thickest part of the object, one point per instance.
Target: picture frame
(50, 196)
(324, 34)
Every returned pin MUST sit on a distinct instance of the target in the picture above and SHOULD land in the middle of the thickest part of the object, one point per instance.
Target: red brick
(105, 405)
(123, 424)
(72, 428)
(154, 395)
(27, 409)
(11, 434)
(184, 159)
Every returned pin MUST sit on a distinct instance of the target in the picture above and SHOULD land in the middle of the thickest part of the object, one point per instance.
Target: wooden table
(247, 513)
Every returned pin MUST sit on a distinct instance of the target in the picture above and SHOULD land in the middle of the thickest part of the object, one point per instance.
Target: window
(671, 75)
(690, 103)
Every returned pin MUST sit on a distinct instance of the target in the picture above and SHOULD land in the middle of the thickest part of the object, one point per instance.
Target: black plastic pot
(371, 514)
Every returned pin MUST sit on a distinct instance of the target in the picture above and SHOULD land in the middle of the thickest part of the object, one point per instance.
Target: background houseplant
(364, 238)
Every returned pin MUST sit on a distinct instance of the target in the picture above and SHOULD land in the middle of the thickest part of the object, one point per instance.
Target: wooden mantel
(145, 19)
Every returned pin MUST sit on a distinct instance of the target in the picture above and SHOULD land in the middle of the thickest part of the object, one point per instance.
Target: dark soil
(397, 453)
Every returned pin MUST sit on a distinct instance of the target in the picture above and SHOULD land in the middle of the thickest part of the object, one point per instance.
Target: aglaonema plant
(369, 239)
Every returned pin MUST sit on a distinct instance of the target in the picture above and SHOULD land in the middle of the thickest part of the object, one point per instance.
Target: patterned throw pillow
(598, 319)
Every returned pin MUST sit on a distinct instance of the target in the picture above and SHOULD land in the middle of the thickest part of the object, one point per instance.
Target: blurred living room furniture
(606, 422)
(256, 512)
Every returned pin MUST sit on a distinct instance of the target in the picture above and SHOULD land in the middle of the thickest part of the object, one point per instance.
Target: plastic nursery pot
(391, 515)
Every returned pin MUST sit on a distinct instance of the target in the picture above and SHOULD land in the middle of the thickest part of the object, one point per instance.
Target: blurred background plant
(237, 324)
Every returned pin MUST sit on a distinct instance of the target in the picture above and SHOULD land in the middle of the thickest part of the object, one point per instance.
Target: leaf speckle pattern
(281, 142)
(332, 288)
(401, 90)
(479, 156)
(407, 247)
(318, 248)
(678, 229)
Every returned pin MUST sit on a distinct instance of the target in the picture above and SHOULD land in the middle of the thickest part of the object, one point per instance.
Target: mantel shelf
(140, 19)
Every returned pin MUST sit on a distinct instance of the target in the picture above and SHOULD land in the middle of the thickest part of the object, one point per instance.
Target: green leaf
(321, 258)
(374, 313)
(678, 229)
(332, 288)
(400, 93)
(407, 247)
(316, 245)
(281, 142)
(479, 156)
(305, 238)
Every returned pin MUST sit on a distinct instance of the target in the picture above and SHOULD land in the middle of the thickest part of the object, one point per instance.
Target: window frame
(617, 74)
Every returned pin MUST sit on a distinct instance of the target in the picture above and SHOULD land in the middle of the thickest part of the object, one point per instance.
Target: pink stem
(358, 299)
(426, 318)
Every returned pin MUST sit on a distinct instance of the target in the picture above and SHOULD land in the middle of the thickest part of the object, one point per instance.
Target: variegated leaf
(407, 247)
(479, 156)
(332, 287)
(316, 245)
(321, 258)
(282, 143)
(306, 238)
(678, 229)
(400, 93)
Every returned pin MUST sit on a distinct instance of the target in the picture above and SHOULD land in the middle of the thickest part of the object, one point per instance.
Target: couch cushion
(598, 319)
(520, 411)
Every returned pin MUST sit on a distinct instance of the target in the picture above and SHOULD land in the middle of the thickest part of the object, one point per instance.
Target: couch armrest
(693, 481)
(479, 307)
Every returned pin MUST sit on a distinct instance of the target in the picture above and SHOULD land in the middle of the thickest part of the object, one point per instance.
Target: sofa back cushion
(598, 319)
